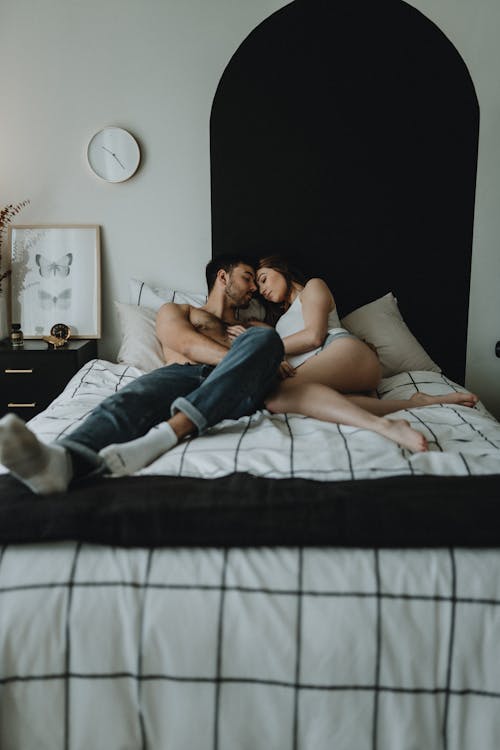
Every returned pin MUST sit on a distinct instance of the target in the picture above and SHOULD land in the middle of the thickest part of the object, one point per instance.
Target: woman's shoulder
(316, 286)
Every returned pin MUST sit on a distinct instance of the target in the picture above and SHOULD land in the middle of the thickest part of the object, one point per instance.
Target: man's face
(241, 285)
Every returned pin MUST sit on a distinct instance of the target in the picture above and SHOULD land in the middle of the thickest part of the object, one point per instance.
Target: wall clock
(113, 154)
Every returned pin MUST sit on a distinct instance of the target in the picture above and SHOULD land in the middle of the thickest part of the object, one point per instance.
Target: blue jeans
(206, 394)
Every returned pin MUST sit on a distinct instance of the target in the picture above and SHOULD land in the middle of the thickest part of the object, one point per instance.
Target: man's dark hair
(226, 262)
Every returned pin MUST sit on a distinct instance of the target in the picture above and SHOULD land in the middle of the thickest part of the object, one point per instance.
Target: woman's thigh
(347, 364)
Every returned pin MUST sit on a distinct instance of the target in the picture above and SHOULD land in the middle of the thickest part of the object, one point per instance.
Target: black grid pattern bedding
(290, 648)
(462, 441)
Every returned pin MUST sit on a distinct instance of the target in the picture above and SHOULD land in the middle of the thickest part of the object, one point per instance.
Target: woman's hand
(286, 370)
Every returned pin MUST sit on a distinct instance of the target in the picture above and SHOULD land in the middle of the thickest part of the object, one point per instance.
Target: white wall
(473, 29)
(68, 68)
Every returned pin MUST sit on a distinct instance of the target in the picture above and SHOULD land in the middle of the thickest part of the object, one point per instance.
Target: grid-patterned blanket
(107, 648)
(462, 441)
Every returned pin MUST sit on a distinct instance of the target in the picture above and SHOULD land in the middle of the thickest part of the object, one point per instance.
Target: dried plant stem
(6, 215)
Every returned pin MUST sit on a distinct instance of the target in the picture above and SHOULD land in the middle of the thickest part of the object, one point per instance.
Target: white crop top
(293, 321)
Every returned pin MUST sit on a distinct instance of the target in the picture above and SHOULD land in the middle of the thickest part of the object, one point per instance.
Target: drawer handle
(15, 372)
(22, 406)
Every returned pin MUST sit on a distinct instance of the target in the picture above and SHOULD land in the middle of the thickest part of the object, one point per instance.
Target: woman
(328, 371)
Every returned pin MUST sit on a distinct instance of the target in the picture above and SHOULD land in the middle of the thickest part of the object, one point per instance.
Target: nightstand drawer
(35, 387)
(32, 377)
(19, 389)
(25, 411)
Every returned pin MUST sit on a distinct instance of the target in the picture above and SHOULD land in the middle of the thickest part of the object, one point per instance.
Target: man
(209, 376)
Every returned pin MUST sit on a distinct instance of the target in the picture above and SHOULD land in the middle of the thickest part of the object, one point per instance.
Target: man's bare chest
(208, 324)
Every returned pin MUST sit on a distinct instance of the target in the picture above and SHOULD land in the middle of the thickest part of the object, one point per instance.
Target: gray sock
(43, 468)
(127, 458)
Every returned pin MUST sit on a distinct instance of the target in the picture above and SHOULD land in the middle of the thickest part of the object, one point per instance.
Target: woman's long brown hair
(274, 310)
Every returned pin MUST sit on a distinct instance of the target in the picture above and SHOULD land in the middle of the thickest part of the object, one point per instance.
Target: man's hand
(234, 331)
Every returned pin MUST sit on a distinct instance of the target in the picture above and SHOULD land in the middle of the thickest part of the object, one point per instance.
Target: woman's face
(272, 284)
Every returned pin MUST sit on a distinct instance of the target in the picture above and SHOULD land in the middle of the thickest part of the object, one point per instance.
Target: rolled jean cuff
(96, 463)
(186, 407)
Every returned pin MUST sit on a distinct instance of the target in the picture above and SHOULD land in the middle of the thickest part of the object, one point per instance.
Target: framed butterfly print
(56, 278)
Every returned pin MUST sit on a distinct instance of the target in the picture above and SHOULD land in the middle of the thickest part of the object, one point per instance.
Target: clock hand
(113, 155)
(119, 162)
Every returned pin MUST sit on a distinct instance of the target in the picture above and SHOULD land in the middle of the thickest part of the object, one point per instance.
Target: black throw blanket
(240, 510)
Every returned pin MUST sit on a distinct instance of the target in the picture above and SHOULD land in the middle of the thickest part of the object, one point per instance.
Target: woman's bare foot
(460, 399)
(400, 431)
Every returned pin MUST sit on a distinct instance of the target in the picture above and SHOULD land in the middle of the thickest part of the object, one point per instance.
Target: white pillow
(381, 324)
(142, 294)
(140, 346)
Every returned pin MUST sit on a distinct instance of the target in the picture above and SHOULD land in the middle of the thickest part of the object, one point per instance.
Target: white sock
(127, 458)
(43, 468)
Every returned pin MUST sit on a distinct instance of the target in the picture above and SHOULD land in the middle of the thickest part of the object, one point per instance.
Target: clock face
(60, 331)
(113, 154)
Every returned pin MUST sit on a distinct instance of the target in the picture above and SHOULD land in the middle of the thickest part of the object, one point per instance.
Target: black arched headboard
(345, 137)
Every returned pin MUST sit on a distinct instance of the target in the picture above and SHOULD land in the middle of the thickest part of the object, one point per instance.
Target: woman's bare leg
(322, 402)
(347, 365)
(351, 368)
(381, 407)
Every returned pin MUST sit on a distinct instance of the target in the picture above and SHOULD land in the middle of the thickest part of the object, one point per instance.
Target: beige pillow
(140, 346)
(381, 324)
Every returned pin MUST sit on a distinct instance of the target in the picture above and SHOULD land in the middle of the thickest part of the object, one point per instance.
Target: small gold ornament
(59, 335)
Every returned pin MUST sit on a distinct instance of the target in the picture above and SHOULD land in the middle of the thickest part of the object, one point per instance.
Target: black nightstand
(31, 377)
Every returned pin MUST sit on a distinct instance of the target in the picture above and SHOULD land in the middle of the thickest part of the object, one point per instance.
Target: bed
(279, 582)
(282, 582)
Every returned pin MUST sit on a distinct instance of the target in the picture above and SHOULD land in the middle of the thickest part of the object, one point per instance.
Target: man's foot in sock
(43, 468)
(126, 458)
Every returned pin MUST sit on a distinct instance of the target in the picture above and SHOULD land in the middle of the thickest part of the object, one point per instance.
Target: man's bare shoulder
(173, 309)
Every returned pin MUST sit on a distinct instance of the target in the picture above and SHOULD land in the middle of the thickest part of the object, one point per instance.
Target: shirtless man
(209, 376)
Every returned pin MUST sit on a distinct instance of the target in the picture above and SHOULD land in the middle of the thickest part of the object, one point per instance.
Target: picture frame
(56, 278)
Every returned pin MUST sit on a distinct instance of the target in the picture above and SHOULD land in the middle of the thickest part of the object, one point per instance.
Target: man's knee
(268, 340)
